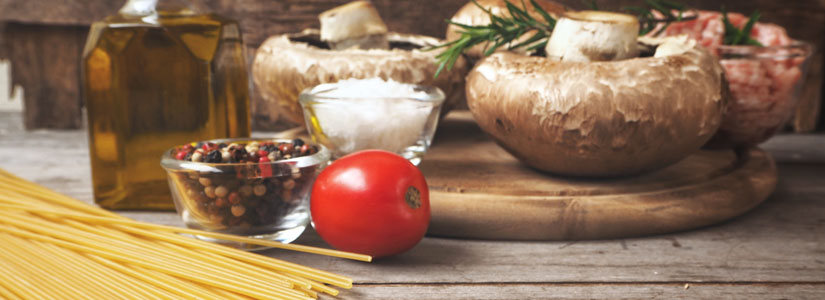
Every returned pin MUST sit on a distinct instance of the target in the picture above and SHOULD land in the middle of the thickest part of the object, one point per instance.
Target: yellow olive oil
(152, 82)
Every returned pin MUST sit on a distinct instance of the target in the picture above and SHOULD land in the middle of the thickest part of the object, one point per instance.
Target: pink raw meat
(762, 87)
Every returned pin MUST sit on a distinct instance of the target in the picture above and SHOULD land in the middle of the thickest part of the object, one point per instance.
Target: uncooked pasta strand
(172, 255)
(207, 279)
(170, 264)
(79, 259)
(215, 235)
(320, 287)
(14, 246)
(5, 293)
(58, 247)
(23, 286)
(270, 263)
(148, 276)
(15, 284)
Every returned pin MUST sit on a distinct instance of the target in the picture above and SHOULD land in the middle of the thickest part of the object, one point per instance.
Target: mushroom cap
(587, 36)
(471, 14)
(599, 119)
(354, 19)
(287, 64)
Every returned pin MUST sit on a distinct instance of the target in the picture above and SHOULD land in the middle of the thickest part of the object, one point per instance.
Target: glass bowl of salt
(359, 114)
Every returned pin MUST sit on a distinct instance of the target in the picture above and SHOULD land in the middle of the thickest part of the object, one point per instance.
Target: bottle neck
(153, 7)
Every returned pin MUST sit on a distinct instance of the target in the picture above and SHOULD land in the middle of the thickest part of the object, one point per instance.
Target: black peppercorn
(269, 148)
(213, 156)
(239, 154)
(297, 142)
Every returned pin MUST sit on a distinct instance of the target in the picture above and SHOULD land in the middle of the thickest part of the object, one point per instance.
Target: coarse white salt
(375, 88)
(360, 114)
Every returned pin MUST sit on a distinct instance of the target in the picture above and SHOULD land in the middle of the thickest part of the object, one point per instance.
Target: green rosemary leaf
(736, 36)
(502, 30)
(535, 38)
(516, 13)
(746, 31)
(441, 67)
(447, 44)
(547, 18)
(495, 46)
(730, 30)
(648, 21)
(753, 42)
(484, 9)
(453, 58)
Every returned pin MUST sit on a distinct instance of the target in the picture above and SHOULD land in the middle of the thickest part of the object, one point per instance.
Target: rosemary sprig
(736, 36)
(501, 31)
(504, 30)
(648, 21)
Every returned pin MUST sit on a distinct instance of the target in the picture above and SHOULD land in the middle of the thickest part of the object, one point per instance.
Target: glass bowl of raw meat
(765, 85)
(765, 81)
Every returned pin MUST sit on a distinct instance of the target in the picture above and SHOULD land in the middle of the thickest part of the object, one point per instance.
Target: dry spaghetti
(54, 247)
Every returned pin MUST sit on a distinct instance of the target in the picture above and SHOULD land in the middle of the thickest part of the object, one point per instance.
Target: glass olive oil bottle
(156, 75)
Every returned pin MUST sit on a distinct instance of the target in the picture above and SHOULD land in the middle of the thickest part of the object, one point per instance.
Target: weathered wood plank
(45, 62)
(56, 12)
(780, 242)
(258, 18)
(3, 46)
(584, 291)
(261, 18)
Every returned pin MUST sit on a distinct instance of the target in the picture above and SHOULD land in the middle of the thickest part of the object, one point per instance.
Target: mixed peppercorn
(250, 191)
(266, 151)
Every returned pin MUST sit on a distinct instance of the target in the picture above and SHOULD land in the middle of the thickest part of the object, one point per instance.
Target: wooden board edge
(603, 217)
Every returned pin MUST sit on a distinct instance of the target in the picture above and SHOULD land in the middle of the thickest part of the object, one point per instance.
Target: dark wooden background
(44, 38)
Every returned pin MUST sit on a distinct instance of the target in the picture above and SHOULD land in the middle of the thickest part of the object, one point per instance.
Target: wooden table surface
(776, 251)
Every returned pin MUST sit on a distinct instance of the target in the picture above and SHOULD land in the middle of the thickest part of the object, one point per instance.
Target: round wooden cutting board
(477, 190)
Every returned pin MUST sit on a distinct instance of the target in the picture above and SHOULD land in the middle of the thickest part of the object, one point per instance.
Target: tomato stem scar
(413, 197)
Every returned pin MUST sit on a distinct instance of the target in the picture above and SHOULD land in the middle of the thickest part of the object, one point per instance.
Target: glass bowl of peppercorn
(248, 187)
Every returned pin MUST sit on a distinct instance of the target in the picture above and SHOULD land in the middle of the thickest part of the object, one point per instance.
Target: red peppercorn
(234, 198)
(304, 149)
(221, 202)
(262, 153)
(187, 147)
(286, 148)
(209, 146)
(263, 159)
(181, 155)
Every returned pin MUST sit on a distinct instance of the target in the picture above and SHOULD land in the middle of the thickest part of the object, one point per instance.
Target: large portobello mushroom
(287, 64)
(585, 117)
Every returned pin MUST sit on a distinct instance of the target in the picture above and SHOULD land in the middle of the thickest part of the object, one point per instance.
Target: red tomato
(372, 202)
